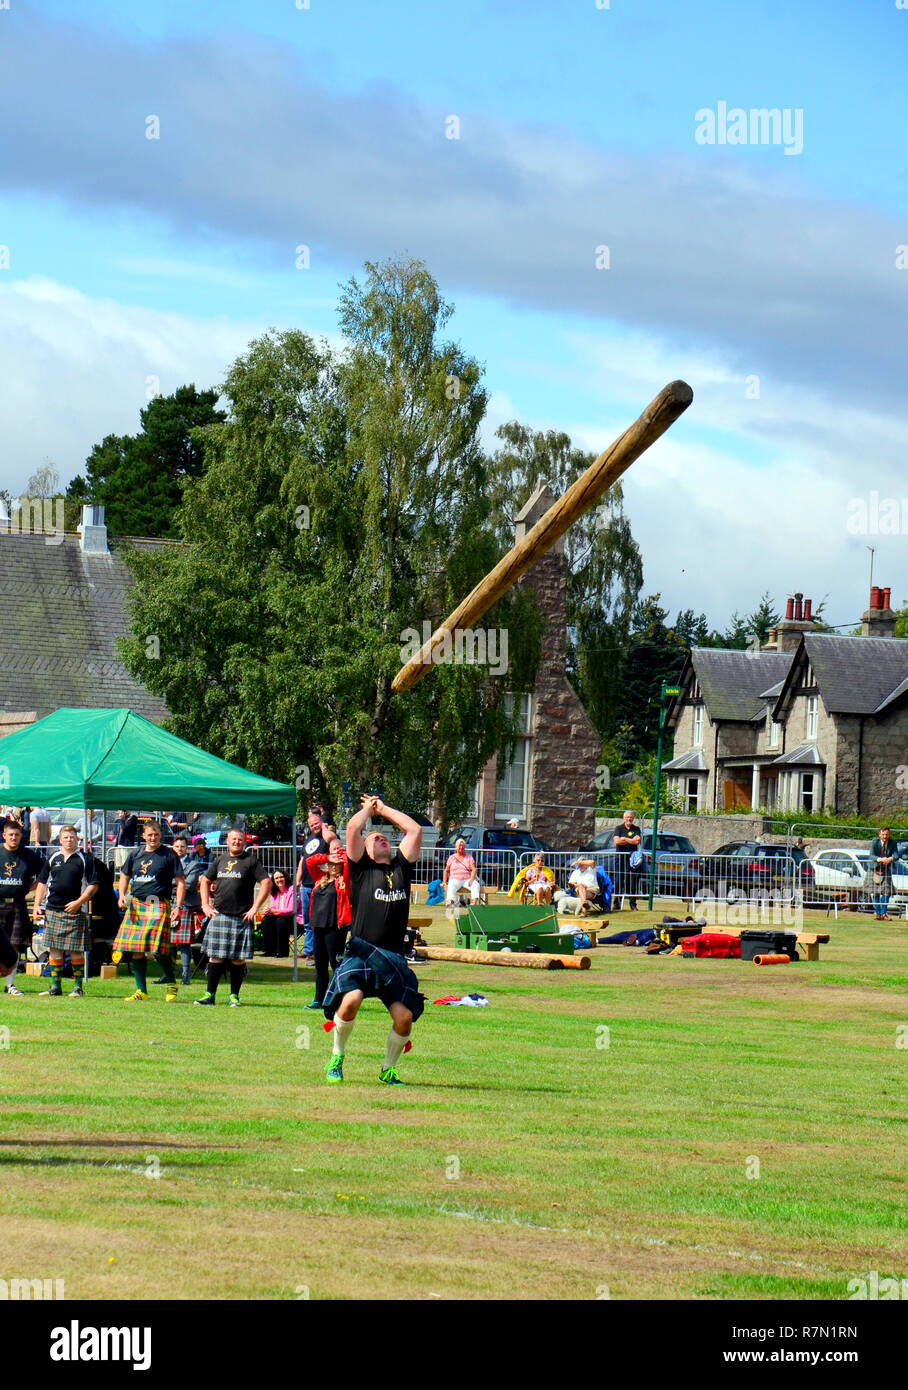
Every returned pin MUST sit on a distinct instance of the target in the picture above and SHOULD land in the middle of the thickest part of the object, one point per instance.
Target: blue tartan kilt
(380, 974)
(228, 938)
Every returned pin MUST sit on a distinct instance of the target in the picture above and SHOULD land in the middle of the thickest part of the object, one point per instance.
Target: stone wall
(565, 749)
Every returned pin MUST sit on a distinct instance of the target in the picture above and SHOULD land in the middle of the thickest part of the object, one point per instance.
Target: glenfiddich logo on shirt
(145, 865)
(231, 864)
(8, 870)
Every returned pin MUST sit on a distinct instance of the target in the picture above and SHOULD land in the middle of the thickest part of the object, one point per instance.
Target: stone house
(64, 608)
(810, 721)
(550, 788)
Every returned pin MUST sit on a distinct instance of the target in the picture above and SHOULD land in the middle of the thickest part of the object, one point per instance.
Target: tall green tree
(139, 478)
(653, 654)
(605, 570)
(341, 506)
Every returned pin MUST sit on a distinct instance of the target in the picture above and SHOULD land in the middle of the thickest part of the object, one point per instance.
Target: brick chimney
(798, 619)
(879, 620)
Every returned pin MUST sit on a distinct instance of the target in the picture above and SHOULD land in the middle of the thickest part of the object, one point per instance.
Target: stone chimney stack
(879, 620)
(93, 532)
(798, 619)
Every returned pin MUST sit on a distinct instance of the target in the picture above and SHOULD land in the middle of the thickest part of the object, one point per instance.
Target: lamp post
(669, 692)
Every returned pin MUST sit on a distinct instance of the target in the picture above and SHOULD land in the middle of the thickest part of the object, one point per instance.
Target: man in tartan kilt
(229, 934)
(18, 869)
(374, 966)
(186, 922)
(68, 878)
(148, 876)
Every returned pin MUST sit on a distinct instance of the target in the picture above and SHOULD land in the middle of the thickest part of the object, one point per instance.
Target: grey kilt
(15, 921)
(66, 932)
(228, 938)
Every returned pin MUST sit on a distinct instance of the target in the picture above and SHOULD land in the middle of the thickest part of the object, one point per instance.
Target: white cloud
(75, 368)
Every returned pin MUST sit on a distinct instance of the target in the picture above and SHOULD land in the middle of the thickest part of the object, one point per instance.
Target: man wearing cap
(241, 887)
(374, 966)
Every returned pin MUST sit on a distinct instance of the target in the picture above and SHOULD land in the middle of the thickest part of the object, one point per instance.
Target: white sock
(393, 1048)
(341, 1033)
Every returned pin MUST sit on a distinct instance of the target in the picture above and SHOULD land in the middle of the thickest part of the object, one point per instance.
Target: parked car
(677, 862)
(749, 868)
(496, 850)
(841, 871)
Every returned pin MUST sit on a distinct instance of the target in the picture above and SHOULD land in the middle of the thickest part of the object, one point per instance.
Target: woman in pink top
(277, 916)
(460, 872)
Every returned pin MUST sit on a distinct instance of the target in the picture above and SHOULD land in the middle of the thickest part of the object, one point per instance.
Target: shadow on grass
(99, 1144)
(138, 1165)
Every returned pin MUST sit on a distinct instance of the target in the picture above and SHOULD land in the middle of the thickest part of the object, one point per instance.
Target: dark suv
(749, 869)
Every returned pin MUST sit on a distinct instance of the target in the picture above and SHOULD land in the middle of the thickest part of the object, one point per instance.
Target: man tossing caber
(373, 966)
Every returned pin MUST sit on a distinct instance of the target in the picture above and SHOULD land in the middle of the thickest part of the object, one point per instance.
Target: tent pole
(296, 962)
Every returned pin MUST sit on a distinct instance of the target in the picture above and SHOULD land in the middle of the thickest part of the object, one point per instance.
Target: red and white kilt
(185, 925)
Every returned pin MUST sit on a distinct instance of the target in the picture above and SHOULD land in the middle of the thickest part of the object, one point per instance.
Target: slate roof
(856, 675)
(688, 762)
(733, 682)
(805, 755)
(62, 613)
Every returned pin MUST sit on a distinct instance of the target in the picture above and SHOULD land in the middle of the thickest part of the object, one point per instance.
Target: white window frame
(699, 722)
(812, 717)
(522, 750)
(774, 736)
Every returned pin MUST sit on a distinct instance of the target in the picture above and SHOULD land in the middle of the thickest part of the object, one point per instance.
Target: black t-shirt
(17, 873)
(323, 908)
(236, 877)
(381, 900)
(126, 831)
(193, 866)
(65, 877)
(313, 844)
(151, 872)
(622, 830)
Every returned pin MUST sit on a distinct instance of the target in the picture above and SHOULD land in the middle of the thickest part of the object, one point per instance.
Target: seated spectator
(584, 882)
(460, 873)
(534, 882)
(277, 916)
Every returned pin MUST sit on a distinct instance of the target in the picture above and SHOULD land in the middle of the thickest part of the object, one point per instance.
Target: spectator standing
(187, 919)
(127, 827)
(626, 837)
(330, 914)
(40, 826)
(883, 854)
(319, 836)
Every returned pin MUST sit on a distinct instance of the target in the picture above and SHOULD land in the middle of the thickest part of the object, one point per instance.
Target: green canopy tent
(110, 758)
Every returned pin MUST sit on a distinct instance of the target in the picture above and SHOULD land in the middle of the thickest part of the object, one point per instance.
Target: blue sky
(133, 259)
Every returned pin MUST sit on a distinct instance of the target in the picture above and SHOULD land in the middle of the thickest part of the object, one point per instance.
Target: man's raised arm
(356, 845)
(411, 844)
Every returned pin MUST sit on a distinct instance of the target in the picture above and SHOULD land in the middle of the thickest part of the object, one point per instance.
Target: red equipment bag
(715, 945)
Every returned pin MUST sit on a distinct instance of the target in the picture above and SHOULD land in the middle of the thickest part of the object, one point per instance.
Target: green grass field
(742, 1135)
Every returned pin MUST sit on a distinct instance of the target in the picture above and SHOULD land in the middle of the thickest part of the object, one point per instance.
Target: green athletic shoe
(234, 1001)
(334, 1068)
(315, 1004)
(205, 999)
(390, 1077)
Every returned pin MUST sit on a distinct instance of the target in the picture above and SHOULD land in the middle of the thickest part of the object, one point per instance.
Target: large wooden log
(531, 959)
(661, 412)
